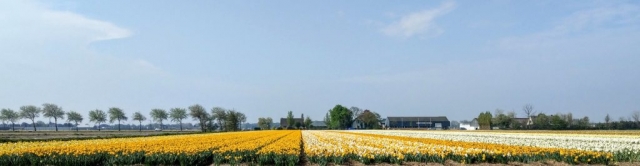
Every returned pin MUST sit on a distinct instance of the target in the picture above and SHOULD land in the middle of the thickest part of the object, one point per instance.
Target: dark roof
(318, 123)
(294, 119)
(521, 120)
(283, 121)
(421, 118)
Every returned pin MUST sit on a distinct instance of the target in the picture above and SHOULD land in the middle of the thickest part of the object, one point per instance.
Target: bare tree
(636, 117)
(97, 116)
(53, 111)
(198, 112)
(528, 109)
(116, 114)
(11, 116)
(219, 114)
(355, 111)
(607, 119)
(158, 115)
(512, 114)
(73, 116)
(177, 114)
(30, 112)
(137, 116)
(569, 119)
(498, 111)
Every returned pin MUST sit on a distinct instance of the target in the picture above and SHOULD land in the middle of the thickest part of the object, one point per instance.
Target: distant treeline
(541, 121)
(219, 119)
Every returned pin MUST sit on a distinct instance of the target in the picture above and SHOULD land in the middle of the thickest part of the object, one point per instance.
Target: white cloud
(419, 23)
(96, 29)
(31, 21)
(46, 57)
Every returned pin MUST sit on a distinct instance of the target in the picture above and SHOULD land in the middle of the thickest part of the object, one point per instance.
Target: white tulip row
(333, 143)
(605, 143)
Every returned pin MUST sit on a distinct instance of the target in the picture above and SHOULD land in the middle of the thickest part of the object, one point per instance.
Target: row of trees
(219, 118)
(291, 122)
(32, 112)
(265, 123)
(340, 117)
(303, 123)
(633, 122)
(559, 121)
(227, 120)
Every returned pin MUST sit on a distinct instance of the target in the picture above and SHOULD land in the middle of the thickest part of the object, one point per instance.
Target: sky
(264, 58)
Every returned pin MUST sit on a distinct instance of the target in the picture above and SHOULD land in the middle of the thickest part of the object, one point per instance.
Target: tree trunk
(34, 124)
(180, 125)
(56, 121)
(140, 126)
(13, 126)
(98, 126)
(77, 129)
(118, 124)
(202, 125)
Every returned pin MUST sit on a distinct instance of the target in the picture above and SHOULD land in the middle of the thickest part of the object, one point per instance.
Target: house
(531, 119)
(424, 122)
(318, 125)
(357, 124)
(473, 125)
(523, 122)
(284, 124)
(520, 122)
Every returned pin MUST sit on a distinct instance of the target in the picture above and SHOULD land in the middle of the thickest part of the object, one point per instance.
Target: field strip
(188, 144)
(331, 146)
(194, 149)
(579, 133)
(284, 151)
(572, 141)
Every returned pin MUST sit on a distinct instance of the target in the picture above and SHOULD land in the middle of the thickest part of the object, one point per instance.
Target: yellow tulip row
(288, 145)
(252, 144)
(177, 144)
(166, 150)
(285, 151)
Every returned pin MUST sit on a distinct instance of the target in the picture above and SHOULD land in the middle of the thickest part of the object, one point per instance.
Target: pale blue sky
(264, 58)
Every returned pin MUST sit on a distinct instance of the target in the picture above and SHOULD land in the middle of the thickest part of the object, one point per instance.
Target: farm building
(318, 125)
(473, 125)
(435, 122)
(284, 124)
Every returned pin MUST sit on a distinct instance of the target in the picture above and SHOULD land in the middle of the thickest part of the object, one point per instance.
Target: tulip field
(263, 147)
(396, 146)
(296, 147)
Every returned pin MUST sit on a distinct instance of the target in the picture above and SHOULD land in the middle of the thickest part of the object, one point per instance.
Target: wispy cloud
(30, 21)
(99, 30)
(584, 21)
(39, 43)
(620, 14)
(419, 23)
